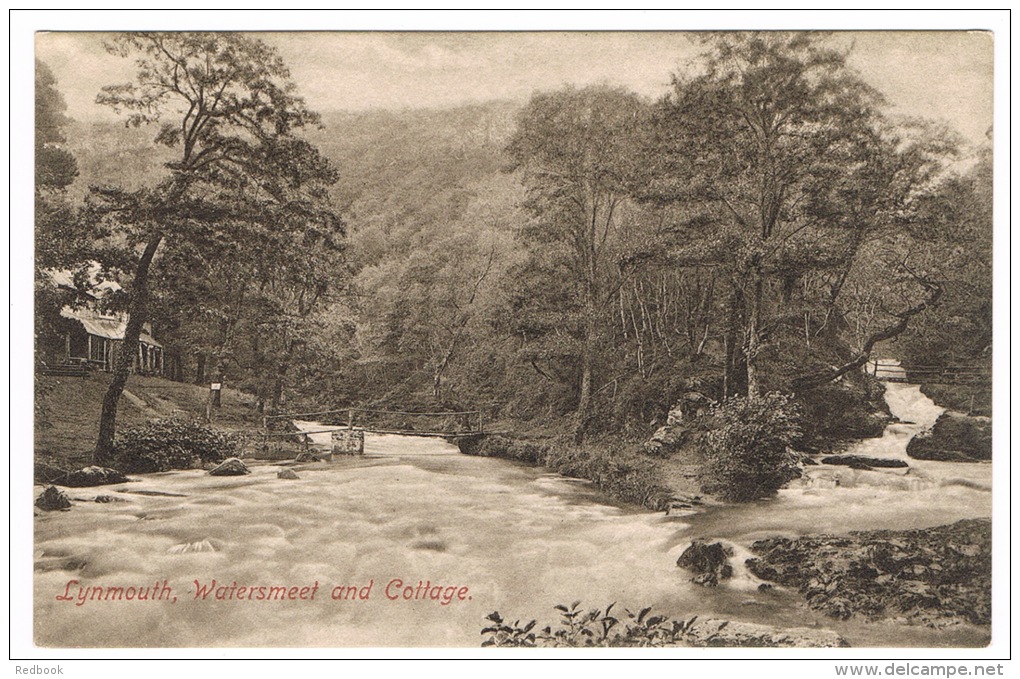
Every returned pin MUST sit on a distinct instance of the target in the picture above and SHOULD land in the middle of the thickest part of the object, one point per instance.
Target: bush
(598, 627)
(748, 450)
(168, 444)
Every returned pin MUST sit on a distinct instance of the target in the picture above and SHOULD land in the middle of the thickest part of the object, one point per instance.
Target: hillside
(67, 411)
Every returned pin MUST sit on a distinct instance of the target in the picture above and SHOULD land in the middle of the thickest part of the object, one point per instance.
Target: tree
(55, 167)
(226, 107)
(57, 244)
(58, 241)
(782, 166)
(576, 151)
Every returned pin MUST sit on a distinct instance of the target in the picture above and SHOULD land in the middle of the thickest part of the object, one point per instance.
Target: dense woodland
(574, 264)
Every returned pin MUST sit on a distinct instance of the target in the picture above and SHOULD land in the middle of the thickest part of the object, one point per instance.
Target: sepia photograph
(487, 339)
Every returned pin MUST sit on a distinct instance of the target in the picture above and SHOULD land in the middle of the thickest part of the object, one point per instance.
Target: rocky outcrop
(712, 632)
(936, 576)
(852, 408)
(53, 499)
(288, 474)
(864, 462)
(955, 437)
(709, 562)
(232, 466)
(93, 476)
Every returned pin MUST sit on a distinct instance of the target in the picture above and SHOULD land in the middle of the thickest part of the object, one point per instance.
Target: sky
(943, 75)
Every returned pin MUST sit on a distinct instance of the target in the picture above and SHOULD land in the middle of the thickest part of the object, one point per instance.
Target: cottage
(92, 336)
(95, 339)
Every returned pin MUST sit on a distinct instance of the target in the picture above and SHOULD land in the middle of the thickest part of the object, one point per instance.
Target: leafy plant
(748, 452)
(168, 444)
(596, 627)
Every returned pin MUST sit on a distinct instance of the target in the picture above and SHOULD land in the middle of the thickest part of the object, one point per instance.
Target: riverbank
(67, 413)
(614, 467)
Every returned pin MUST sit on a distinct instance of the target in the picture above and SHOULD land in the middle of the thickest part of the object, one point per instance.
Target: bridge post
(350, 418)
(348, 442)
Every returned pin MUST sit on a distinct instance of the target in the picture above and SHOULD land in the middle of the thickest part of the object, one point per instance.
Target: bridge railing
(439, 423)
(952, 374)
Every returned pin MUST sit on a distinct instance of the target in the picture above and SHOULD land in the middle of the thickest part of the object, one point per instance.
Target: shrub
(168, 444)
(748, 454)
(596, 627)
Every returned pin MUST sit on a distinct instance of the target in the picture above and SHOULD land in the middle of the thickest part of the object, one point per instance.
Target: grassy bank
(67, 412)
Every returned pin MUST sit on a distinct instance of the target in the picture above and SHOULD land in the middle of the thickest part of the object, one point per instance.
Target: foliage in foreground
(596, 627)
(748, 452)
(168, 444)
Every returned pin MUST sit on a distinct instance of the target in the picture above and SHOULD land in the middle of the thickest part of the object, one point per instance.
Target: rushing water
(519, 539)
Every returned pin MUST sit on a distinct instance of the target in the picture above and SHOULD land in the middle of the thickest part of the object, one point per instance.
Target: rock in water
(711, 632)
(710, 562)
(230, 467)
(287, 474)
(954, 438)
(93, 476)
(864, 462)
(53, 499)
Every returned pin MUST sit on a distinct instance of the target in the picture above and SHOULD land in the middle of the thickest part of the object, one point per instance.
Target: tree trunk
(200, 369)
(587, 361)
(807, 382)
(732, 347)
(104, 452)
(753, 337)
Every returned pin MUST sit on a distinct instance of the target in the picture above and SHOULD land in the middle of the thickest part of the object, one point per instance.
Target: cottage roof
(110, 327)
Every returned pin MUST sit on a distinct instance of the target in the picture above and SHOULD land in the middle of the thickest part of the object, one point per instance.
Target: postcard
(488, 339)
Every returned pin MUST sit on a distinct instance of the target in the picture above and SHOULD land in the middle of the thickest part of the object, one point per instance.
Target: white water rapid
(520, 540)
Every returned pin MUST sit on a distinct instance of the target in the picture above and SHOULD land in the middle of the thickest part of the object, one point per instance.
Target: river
(519, 539)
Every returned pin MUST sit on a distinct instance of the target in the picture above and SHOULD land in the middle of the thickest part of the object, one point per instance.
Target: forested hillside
(580, 262)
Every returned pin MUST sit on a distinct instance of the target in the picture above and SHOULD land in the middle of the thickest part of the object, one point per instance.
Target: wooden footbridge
(894, 371)
(348, 426)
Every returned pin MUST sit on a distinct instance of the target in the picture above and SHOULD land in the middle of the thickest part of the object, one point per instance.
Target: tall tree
(55, 170)
(58, 243)
(783, 165)
(225, 105)
(576, 149)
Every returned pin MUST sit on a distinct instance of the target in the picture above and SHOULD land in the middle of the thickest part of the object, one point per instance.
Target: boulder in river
(288, 474)
(93, 476)
(864, 462)
(955, 437)
(53, 499)
(712, 632)
(709, 562)
(232, 466)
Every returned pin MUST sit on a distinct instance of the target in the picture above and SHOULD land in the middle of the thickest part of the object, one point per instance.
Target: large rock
(288, 474)
(709, 562)
(93, 476)
(53, 499)
(863, 462)
(935, 576)
(712, 632)
(232, 466)
(954, 438)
